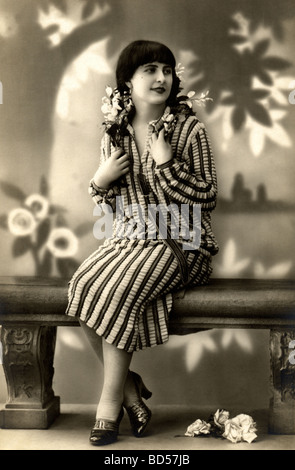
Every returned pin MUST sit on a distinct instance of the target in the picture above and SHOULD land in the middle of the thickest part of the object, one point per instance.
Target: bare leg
(94, 340)
(130, 391)
(120, 385)
(116, 365)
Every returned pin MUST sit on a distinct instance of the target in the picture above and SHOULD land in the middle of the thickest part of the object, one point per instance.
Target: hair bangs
(154, 52)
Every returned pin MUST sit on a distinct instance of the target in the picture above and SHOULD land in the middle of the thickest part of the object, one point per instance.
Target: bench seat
(32, 308)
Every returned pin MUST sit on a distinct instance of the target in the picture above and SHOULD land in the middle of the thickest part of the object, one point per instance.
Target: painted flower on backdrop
(233, 265)
(202, 343)
(39, 206)
(195, 346)
(258, 102)
(62, 243)
(21, 222)
(40, 228)
(59, 22)
(277, 271)
(241, 428)
(117, 107)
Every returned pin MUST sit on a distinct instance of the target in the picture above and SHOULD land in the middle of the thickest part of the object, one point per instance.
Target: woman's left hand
(161, 150)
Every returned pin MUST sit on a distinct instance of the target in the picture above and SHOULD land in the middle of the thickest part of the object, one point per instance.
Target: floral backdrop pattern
(57, 57)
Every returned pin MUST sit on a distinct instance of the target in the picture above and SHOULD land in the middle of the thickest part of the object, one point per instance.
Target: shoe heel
(143, 391)
(139, 417)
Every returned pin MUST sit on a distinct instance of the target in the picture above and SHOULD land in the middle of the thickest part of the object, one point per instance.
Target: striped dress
(124, 289)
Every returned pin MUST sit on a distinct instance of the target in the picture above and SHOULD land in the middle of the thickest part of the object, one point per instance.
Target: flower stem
(36, 259)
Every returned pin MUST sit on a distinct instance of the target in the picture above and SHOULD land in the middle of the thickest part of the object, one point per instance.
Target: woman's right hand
(110, 170)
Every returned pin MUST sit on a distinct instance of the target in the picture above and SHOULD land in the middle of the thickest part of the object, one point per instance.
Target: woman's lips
(159, 90)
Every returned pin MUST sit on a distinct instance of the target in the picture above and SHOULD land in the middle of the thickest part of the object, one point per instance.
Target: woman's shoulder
(188, 124)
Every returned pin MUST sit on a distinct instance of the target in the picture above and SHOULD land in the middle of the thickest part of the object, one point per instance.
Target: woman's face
(151, 83)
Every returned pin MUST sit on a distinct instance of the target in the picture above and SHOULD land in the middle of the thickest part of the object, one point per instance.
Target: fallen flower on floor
(217, 422)
(237, 429)
(198, 427)
(240, 428)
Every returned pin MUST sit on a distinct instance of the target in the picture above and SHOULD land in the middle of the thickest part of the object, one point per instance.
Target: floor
(166, 430)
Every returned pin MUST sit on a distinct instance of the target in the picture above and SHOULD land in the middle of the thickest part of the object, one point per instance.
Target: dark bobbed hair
(143, 52)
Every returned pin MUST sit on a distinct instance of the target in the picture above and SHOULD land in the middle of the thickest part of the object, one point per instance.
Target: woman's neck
(145, 114)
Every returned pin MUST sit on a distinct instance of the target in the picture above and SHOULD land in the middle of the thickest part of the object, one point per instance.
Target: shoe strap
(105, 424)
(139, 408)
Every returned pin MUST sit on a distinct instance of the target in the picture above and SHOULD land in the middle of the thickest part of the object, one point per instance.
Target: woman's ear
(129, 85)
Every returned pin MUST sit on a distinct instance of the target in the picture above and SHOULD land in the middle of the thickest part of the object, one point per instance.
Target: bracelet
(167, 164)
(96, 189)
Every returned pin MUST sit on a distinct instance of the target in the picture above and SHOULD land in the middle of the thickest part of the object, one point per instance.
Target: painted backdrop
(57, 56)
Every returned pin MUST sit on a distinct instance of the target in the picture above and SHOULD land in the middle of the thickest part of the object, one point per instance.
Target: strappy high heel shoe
(105, 431)
(139, 414)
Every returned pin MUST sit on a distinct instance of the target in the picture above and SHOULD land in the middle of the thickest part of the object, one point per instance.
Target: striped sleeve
(191, 180)
(101, 195)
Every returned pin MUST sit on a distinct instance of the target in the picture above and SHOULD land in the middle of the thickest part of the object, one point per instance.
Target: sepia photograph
(147, 222)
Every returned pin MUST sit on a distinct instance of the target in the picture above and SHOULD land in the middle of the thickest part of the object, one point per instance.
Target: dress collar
(157, 124)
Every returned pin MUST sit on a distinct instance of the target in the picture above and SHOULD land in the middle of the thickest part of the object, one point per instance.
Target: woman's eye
(150, 69)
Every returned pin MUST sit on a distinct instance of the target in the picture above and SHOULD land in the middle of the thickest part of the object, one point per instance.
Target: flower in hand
(161, 149)
(113, 168)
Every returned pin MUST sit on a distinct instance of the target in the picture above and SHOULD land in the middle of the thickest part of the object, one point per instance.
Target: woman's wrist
(98, 188)
(101, 183)
(167, 164)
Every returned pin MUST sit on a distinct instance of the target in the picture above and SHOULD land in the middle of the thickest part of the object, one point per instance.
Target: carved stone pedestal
(28, 353)
(282, 402)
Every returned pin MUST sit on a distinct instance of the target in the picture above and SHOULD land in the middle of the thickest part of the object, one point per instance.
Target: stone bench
(32, 308)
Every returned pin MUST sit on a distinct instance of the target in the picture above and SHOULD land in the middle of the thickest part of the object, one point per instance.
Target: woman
(154, 153)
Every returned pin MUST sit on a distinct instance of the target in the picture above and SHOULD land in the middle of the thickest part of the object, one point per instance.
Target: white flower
(191, 94)
(240, 428)
(169, 118)
(21, 222)
(110, 104)
(38, 204)
(62, 243)
(179, 70)
(115, 103)
(220, 418)
(198, 427)
(194, 102)
(106, 108)
(109, 91)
